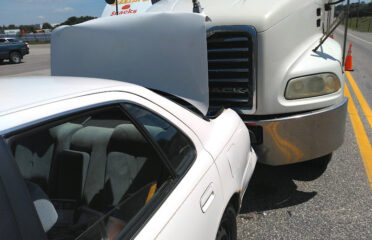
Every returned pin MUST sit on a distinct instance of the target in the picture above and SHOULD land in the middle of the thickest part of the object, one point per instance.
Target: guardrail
(31, 37)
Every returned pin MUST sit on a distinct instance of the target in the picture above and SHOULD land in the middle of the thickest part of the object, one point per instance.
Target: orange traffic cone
(349, 60)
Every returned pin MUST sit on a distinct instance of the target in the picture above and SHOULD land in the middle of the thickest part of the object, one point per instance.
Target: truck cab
(260, 61)
(262, 64)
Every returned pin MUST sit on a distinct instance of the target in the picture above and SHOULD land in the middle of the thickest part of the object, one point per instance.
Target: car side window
(97, 170)
(175, 144)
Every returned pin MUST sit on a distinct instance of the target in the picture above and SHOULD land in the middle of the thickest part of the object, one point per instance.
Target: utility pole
(117, 7)
(357, 21)
(345, 33)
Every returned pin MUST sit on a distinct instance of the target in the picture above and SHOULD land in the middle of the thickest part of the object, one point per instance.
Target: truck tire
(227, 229)
(15, 57)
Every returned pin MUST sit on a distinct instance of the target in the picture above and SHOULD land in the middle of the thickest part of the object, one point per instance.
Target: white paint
(127, 7)
(287, 33)
(56, 97)
(19, 92)
(260, 14)
(163, 51)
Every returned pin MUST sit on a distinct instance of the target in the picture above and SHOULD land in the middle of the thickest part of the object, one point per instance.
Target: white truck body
(127, 7)
(139, 52)
(254, 49)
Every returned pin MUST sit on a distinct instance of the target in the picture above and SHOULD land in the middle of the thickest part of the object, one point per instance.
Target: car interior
(91, 175)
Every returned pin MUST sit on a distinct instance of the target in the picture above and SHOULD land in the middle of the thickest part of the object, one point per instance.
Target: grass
(364, 24)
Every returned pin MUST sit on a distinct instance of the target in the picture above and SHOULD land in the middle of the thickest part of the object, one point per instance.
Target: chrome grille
(231, 68)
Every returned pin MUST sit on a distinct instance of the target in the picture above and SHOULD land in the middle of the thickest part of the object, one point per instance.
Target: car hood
(161, 51)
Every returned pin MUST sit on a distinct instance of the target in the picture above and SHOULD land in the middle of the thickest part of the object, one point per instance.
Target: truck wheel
(227, 229)
(15, 57)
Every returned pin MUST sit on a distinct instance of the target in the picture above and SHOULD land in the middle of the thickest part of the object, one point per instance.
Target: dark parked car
(12, 49)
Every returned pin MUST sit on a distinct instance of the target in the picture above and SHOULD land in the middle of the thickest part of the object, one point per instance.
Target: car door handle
(207, 198)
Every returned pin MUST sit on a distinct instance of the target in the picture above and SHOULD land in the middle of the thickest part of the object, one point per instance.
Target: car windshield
(14, 40)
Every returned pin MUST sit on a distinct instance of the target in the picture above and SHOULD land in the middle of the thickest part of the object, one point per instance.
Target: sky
(25, 12)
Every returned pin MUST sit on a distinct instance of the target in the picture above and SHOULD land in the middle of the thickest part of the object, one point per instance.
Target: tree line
(32, 29)
(362, 9)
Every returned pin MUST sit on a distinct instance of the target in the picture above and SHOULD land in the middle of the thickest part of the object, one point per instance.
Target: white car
(85, 158)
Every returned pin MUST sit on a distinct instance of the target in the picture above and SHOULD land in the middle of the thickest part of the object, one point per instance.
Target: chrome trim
(301, 137)
(252, 31)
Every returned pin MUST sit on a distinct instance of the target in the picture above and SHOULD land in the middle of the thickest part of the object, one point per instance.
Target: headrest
(64, 129)
(87, 137)
(127, 138)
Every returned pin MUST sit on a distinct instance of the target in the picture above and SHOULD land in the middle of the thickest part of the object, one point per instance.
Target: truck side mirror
(110, 1)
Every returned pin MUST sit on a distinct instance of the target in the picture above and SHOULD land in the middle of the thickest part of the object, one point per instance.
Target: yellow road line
(361, 136)
(362, 101)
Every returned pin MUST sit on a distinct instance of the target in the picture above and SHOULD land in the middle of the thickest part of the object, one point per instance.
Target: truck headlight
(311, 86)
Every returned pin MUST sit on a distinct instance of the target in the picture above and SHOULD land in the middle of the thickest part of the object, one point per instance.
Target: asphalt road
(304, 201)
(34, 64)
(301, 201)
(362, 59)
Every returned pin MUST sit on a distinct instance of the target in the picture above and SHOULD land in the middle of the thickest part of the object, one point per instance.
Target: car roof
(24, 92)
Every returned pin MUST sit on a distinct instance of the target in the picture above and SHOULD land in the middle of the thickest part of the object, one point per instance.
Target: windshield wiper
(335, 24)
(341, 17)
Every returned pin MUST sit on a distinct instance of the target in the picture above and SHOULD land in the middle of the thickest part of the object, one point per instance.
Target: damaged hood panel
(162, 51)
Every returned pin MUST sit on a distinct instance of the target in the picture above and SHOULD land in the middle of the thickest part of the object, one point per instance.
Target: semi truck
(270, 61)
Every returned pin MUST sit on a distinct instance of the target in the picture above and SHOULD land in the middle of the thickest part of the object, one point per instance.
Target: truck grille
(231, 68)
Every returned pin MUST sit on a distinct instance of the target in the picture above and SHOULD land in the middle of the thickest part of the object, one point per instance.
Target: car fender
(230, 146)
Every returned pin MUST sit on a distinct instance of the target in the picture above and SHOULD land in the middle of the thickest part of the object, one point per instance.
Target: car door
(200, 213)
(76, 137)
(18, 218)
(194, 209)
(98, 167)
(3, 49)
(192, 186)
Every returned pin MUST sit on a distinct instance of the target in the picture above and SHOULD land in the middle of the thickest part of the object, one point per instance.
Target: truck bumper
(300, 137)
